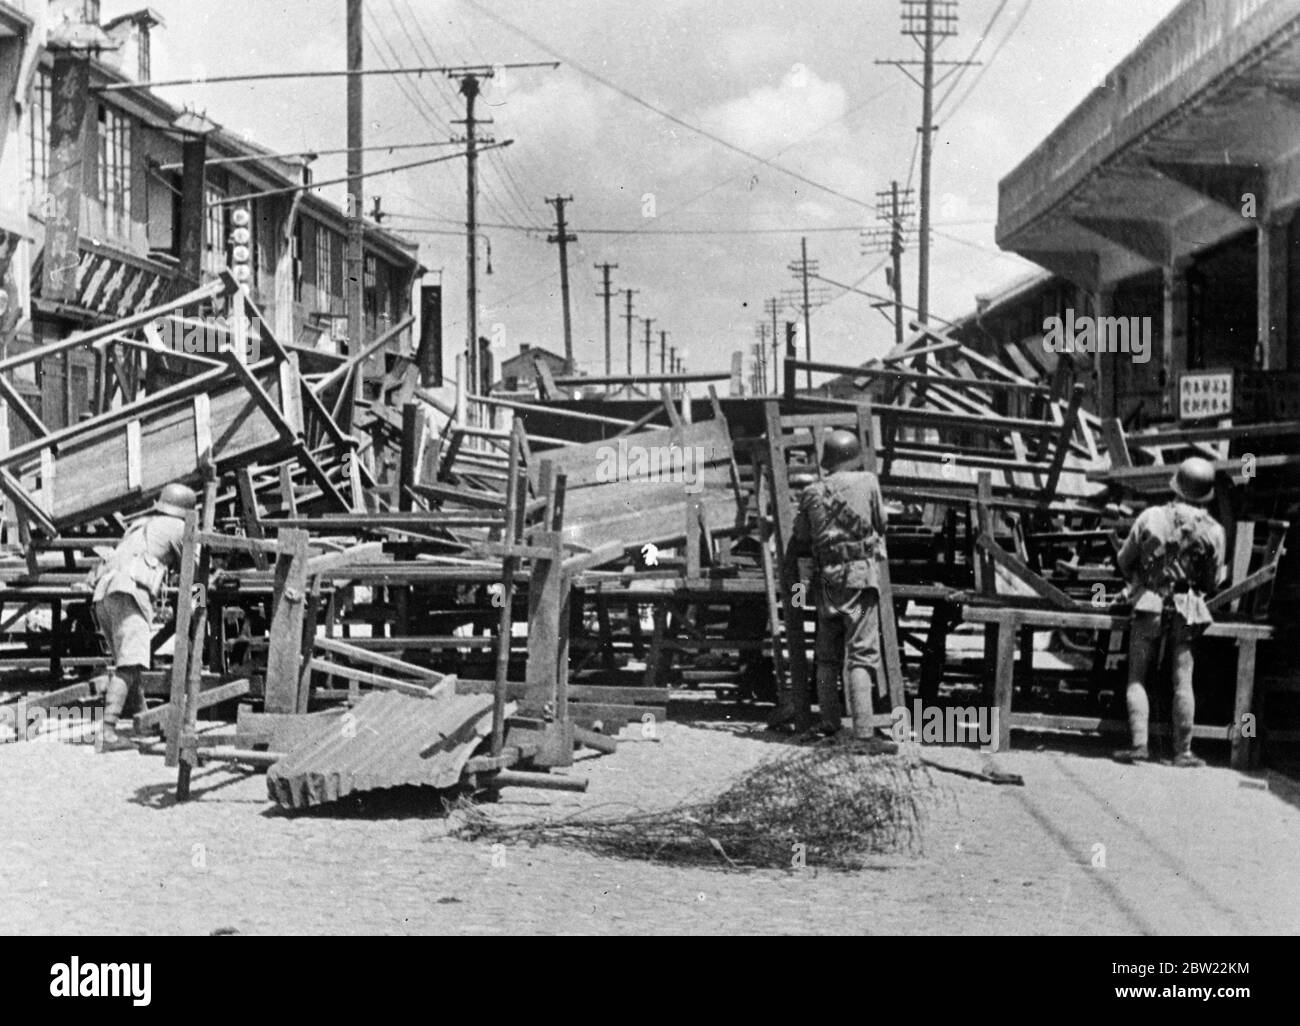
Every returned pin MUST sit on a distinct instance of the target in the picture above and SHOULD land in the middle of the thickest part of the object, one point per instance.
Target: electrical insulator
(241, 246)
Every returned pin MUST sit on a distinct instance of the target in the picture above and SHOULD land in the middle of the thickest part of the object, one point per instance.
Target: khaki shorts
(126, 629)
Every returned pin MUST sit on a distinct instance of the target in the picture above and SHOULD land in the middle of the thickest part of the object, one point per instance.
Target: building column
(1173, 354)
(284, 271)
(1271, 279)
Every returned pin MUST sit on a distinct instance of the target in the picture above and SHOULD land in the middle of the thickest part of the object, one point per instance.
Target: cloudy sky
(793, 83)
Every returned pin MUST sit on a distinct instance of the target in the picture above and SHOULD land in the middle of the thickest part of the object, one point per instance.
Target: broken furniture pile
(404, 587)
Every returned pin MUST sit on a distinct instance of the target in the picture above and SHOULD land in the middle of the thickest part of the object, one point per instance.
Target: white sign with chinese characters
(1204, 395)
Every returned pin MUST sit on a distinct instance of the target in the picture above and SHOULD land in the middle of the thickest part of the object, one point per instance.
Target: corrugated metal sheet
(389, 740)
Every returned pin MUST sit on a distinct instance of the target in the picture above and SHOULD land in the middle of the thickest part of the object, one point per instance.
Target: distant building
(133, 238)
(520, 372)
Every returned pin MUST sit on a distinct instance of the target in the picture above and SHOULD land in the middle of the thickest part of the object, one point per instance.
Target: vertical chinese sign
(70, 95)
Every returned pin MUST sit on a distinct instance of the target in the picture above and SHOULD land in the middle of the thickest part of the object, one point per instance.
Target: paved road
(95, 844)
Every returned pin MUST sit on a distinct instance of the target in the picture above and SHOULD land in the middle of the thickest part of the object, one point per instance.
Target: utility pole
(630, 293)
(648, 321)
(894, 207)
(354, 265)
(760, 358)
(563, 238)
(663, 352)
(772, 307)
(607, 294)
(929, 23)
(672, 368)
(469, 88)
(803, 269)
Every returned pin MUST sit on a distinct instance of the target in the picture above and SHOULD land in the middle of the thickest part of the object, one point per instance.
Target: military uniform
(841, 521)
(128, 581)
(1173, 558)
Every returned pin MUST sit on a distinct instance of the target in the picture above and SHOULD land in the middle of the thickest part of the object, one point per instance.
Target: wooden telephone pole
(354, 276)
(629, 293)
(607, 294)
(929, 23)
(648, 321)
(563, 238)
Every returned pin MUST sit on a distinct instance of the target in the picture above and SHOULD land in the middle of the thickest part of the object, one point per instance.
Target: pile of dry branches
(824, 807)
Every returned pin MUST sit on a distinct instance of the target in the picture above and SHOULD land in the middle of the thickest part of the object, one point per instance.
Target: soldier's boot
(831, 714)
(793, 713)
(135, 702)
(865, 740)
(114, 701)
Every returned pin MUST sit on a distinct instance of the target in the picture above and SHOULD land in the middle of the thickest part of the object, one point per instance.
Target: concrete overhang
(13, 22)
(1163, 160)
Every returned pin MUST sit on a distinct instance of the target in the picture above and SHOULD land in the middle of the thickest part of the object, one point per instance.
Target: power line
(268, 76)
(627, 94)
(245, 197)
(984, 70)
(251, 157)
(979, 43)
(517, 198)
(512, 226)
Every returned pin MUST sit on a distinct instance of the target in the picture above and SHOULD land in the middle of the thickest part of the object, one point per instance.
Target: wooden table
(1008, 622)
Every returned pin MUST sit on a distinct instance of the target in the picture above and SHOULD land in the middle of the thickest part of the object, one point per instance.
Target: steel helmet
(839, 448)
(176, 500)
(1194, 481)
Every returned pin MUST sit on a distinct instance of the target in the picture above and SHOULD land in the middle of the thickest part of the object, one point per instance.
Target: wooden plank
(1017, 567)
(610, 713)
(284, 658)
(782, 513)
(202, 429)
(183, 642)
(1003, 683)
(1062, 445)
(1242, 553)
(361, 655)
(251, 513)
(163, 714)
(405, 687)
(1244, 705)
(1232, 596)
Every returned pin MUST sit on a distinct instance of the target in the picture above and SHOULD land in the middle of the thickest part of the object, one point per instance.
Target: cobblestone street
(95, 844)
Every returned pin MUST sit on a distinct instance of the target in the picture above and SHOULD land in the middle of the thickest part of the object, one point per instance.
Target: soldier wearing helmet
(841, 522)
(1172, 559)
(127, 583)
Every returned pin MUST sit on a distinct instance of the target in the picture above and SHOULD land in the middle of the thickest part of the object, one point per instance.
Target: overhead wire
(979, 43)
(992, 58)
(681, 122)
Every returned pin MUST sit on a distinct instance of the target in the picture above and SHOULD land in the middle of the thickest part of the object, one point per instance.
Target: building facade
(113, 200)
(1170, 196)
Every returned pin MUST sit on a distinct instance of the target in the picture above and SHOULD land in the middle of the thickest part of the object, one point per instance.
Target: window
(296, 243)
(38, 136)
(214, 231)
(90, 11)
(324, 268)
(115, 170)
